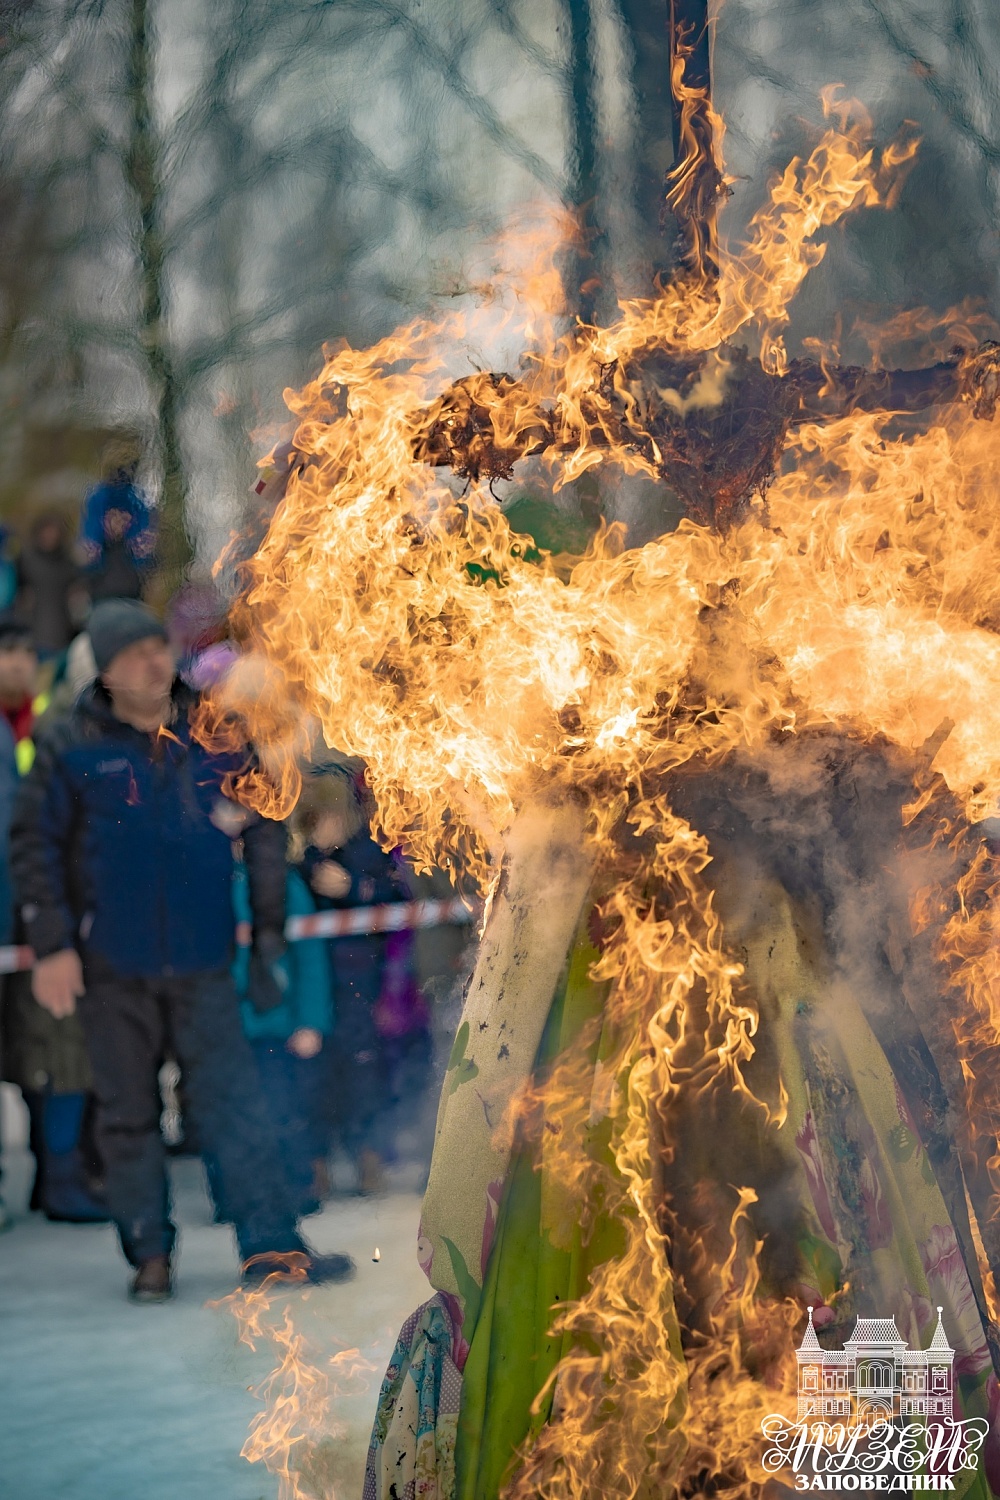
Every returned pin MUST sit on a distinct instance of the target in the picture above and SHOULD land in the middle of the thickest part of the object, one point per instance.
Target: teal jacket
(309, 995)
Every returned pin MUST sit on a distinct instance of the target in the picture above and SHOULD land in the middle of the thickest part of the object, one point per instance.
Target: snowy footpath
(100, 1400)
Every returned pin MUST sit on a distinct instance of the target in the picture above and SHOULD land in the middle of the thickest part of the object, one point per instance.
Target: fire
(403, 621)
(297, 1429)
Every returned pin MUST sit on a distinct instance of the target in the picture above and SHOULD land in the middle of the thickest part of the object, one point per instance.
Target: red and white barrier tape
(354, 921)
(396, 916)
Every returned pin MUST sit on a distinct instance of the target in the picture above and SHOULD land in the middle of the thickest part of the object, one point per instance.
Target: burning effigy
(729, 1050)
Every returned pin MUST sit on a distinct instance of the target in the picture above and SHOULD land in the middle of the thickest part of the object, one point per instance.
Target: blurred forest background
(194, 197)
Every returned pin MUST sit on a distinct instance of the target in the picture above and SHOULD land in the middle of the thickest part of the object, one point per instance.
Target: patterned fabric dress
(864, 1222)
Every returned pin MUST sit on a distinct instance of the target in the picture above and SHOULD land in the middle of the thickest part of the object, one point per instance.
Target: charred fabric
(711, 426)
(715, 457)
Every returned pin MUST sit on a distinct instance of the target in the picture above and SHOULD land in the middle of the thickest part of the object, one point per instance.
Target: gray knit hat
(115, 624)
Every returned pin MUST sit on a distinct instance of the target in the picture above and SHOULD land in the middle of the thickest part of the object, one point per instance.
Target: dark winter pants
(293, 1088)
(357, 1062)
(129, 1025)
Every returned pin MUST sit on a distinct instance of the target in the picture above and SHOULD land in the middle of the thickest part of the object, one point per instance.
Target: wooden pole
(694, 185)
(689, 34)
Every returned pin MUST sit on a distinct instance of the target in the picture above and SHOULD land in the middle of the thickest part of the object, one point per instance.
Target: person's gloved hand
(268, 974)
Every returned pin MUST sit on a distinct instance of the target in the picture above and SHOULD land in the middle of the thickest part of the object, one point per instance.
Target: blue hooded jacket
(139, 538)
(115, 848)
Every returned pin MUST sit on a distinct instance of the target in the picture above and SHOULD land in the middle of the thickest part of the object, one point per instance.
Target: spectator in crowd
(81, 669)
(122, 863)
(8, 572)
(117, 537)
(8, 793)
(289, 1041)
(19, 702)
(73, 671)
(46, 1059)
(49, 585)
(381, 1023)
(198, 628)
(44, 1056)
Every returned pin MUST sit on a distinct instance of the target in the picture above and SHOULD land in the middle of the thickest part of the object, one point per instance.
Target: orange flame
(296, 1431)
(410, 626)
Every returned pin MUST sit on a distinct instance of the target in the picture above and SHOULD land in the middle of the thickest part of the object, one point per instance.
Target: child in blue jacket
(289, 1043)
(117, 541)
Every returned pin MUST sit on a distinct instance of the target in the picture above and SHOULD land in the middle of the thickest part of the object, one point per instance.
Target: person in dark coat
(47, 576)
(122, 864)
(18, 673)
(117, 540)
(18, 669)
(8, 792)
(43, 1056)
(380, 1050)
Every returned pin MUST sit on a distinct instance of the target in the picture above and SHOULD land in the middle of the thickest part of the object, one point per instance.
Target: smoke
(904, 62)
(810, 848)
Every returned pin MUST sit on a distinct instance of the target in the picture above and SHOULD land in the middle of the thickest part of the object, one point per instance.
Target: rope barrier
(352, 921)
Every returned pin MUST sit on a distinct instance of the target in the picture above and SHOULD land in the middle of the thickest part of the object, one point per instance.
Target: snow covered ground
(100, 1400)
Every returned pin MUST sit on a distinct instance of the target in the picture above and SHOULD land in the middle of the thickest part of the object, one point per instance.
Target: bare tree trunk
(142, 175)
(585, 270)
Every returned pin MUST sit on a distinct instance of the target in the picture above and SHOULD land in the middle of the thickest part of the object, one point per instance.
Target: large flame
(409, 625)
(296, 1430)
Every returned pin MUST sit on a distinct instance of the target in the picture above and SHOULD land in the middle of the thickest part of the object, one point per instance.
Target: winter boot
(303, 1266)
(152, 1282)
(65, 1191)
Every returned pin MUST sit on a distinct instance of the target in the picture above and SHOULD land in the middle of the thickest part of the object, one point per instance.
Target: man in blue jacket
(122, 864)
